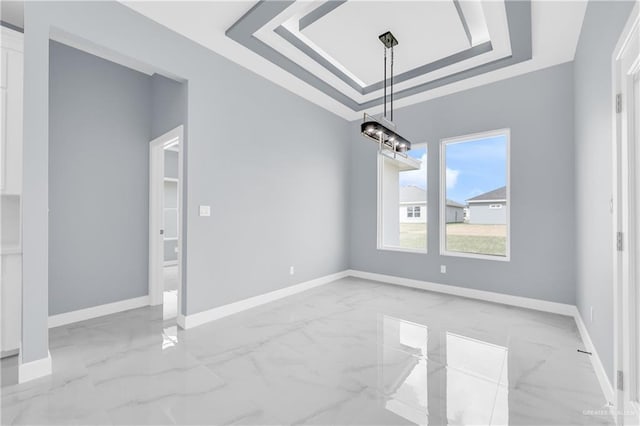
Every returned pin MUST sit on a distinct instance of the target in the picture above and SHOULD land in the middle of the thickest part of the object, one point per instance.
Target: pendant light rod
(391, 82)
(385, 82)
(388, 40)
(387, 138)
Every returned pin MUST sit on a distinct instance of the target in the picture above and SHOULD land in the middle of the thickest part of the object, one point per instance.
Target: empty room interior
(322, 212)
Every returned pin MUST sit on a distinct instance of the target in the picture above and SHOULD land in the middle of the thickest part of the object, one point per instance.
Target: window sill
(403, 250)
(475, 256)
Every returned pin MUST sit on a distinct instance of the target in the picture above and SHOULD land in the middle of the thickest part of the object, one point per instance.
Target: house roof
(454, 204)
(414, 194)
(499, 194)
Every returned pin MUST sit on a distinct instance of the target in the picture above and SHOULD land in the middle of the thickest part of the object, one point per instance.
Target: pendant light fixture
(383, 131)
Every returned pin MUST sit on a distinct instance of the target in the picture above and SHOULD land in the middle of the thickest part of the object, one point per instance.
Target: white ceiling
(418, 26)
(12, 12)
(346, 38)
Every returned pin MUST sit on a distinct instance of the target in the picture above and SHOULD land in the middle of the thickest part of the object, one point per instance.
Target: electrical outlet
(591, 313)
(292, 270)
(443, 269)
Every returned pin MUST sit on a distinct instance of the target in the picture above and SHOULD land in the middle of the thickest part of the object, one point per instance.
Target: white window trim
(443, 193)
(379, 220)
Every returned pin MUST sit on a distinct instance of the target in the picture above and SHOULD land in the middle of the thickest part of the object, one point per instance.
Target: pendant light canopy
(383, 131)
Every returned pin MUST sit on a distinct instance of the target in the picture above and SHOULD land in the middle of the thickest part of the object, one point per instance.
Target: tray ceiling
(329, 52)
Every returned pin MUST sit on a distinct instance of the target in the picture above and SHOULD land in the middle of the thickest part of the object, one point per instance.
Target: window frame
(442, 207)
(410, 212)
(380, 197)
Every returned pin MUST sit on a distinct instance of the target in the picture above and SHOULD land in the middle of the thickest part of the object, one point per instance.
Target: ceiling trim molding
(469, 53)
(262, 12)
(518, 21)
(465, 24)
(318, 13)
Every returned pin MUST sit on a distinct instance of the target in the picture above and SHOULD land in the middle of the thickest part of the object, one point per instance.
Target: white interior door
(626, 74)
(157, 213)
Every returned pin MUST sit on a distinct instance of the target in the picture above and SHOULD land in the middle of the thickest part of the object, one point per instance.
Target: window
(474, 196)
(413, 211)
(402, 200)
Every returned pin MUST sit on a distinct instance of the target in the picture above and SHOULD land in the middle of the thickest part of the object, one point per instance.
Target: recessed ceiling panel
(426, 31)
(518, 36)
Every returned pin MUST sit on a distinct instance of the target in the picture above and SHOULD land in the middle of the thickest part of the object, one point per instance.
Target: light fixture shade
(380, 133)
(376, 130)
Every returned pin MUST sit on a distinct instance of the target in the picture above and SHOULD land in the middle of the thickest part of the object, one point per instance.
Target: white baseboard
(194, 320)
(601, 373)
(39, 368)
(34, 369)
(523, 302)
(180, 319)
(505, 299)
(97, 311)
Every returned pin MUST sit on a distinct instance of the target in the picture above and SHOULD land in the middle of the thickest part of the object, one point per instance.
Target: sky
(473, 168)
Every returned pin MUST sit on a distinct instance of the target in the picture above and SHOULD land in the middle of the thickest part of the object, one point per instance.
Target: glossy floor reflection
(352, 352)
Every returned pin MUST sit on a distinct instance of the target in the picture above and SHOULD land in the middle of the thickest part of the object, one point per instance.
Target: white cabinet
(11, 111)
(11, 72)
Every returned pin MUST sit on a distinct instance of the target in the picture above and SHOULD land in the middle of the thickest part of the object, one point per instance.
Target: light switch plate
(205, 211)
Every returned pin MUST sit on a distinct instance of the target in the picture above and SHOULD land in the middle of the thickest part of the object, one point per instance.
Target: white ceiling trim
(520, 31)
(496, 19)
(349, 34)
(555, 30)
(476, 21)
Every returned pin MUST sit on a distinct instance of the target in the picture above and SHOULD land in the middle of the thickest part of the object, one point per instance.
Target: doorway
(626, 222)
(165, 223)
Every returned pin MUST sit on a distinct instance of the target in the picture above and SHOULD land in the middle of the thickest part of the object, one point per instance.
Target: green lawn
(413, 236)
(461, 237)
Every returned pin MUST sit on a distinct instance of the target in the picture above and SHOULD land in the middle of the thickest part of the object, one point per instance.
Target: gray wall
(169, 103)
(538, 107)
(284, 159)
(98, 180)
(601, 29)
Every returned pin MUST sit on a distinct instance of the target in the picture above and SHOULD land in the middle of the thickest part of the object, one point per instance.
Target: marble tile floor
(350, 352)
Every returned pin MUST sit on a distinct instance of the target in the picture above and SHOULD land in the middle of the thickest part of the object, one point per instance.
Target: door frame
(156, 206)
(625, 207)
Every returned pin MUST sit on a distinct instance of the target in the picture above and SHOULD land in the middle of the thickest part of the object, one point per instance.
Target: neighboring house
(413, 205)
(489, 208)
(455, 212)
